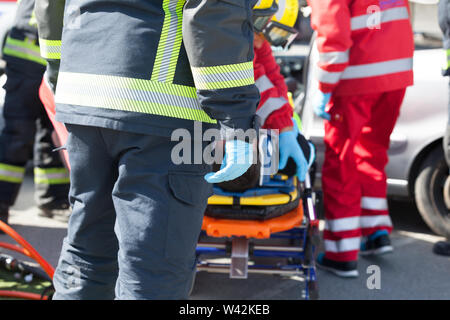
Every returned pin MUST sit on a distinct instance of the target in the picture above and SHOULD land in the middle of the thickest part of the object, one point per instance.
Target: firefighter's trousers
(26, 134)
(136, 218)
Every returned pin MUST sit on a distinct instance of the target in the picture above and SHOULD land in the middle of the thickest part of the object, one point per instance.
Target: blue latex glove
(289, 147)
(319, 103)
(238, 158)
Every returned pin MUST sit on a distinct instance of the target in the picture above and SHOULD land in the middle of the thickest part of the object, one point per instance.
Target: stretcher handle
(309, 199)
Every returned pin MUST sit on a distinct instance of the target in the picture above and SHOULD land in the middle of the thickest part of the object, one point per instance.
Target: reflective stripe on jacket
(21, 47)
(364, 46)
(274, 109)
(151, 66)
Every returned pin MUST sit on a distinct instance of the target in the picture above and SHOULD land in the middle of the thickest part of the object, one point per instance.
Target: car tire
(430, 191)
(447, 192)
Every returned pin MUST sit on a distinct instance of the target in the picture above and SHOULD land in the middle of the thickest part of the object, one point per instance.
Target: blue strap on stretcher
(271, 185)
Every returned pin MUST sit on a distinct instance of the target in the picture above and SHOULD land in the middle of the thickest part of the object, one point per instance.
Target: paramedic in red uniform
(365, 65)
(275, 110)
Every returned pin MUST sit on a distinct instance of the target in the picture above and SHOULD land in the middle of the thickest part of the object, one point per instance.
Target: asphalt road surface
(411, 272)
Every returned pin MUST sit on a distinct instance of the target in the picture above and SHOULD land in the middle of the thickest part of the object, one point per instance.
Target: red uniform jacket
(274, 108)
(365, 46)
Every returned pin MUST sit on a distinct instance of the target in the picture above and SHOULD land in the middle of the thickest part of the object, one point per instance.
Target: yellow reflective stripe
(23, 49)
(12, 168)
(50, 49)
(224, 68)
(448, 59)
(51, 176)
(10, 179)
(225, 76)
(33, 22)
(130, 94)
(170, 42)
(10, 173)
(51, 181)
(298, 121)
(177, 42)
(265, 200)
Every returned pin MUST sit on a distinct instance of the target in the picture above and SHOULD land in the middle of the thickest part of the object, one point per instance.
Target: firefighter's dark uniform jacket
(151, 66)
(22, 47)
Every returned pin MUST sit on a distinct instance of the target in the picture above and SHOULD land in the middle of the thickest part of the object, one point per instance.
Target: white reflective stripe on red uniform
(342, 224)
(373, 203)
(376, 221)
(366, 70)
(270, 106)
(263, 83)
(371, 20)
(328, 77)
(343, 245)
(377, 69)
(335, 57)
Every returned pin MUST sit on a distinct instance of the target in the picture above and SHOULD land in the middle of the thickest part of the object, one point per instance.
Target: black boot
(58, 207)
(4, 214)
(442, 248)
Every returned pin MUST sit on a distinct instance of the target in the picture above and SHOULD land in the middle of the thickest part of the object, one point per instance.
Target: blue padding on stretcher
(272, 185)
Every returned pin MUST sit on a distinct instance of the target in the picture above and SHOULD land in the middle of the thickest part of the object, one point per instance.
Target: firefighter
(443, 247)
(365, 65)
(27, 129)
(130, 74)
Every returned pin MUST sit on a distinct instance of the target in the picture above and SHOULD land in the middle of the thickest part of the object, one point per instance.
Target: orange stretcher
(284, 244)
(252, 229)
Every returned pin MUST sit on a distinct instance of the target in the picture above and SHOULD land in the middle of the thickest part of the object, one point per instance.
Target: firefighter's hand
(289, 148)
(237, 160)
(320, 102)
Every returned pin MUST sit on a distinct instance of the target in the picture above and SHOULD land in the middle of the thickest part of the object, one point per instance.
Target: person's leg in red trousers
(340, 176)
(353, 176)
(372, 158)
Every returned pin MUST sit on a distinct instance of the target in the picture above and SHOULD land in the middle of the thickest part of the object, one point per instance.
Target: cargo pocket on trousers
(188, 199)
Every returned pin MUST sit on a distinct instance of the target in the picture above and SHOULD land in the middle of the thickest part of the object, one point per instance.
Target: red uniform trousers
(353, 177)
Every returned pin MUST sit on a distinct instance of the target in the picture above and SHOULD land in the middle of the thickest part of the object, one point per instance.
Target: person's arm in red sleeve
(280, 119)
(266, 58)
(274, 109)
(331, 20)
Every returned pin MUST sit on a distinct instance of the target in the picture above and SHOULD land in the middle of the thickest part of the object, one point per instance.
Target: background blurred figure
(443, 247)
(27, 128)
(365, 64)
